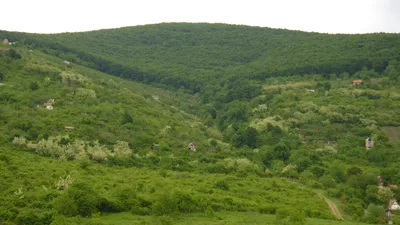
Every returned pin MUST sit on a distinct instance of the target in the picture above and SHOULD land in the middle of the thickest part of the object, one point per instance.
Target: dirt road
(334, 209)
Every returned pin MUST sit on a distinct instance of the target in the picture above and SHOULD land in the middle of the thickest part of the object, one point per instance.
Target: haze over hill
(200, 123)
(328, 16)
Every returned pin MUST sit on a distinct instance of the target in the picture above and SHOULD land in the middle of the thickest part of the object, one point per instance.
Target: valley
(199, 124)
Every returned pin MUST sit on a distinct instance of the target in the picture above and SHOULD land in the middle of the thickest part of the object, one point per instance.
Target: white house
(394, 205)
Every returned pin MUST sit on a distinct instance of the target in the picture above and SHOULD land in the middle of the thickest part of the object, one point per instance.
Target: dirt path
(332, 205)
(334, 209)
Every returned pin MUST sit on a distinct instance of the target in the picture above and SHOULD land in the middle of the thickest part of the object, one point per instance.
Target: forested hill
(191, 55)
(272, 122)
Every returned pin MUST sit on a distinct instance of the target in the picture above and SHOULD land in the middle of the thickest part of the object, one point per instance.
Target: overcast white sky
(330, 16)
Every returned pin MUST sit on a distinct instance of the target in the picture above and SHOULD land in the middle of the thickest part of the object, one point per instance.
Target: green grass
(393, 134)
(37, 180)
(220, 218)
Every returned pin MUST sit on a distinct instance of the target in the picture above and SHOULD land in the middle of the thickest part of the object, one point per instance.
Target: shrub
(165, 204)
(165, 220)
(327, 181)
(267, 209)
(222, 185)
(121, 149)
(284, 217)
(375, 214)
(186, 203)
(78, 199)
(106, 205)
(355, 206)
(66, 206)
(63, 183)
(34, 216)
(19, 141)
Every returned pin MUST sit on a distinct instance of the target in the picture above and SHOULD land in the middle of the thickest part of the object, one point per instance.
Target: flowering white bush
(97, 152)
(19, 141)
(73, 78)
(121, 149)
(61, 147)
(85, 93)
(64, 182)
(240, 164)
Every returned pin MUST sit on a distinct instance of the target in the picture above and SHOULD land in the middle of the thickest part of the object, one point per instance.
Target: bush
(327, 181)
(165, 220)
(375, 214)
(186, 203)
(222, 185)
(355, 206)
(78, 199)
(267, 209)
(165, 204)
(286, 217)
(106, 205)
(66, 206)
(33, 216)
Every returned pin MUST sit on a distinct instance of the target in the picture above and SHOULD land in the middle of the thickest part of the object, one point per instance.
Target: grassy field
(393, 134)
(221, 218)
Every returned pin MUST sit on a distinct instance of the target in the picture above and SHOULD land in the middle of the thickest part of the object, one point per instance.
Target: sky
(326, 16)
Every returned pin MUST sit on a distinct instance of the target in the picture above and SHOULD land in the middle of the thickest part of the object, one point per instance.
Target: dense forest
(230, 118)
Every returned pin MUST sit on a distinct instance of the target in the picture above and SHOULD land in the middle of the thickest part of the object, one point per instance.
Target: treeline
(190, 56)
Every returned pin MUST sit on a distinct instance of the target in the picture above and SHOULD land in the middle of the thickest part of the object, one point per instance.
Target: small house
(68, 127)
(49, 104)
(192, 147)
(380, 181)
(393, 205)
(369, 143)
(357, 82)
(155, 146)
(4, 42)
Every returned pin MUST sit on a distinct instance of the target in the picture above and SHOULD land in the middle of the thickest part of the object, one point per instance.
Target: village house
(380, 181)
(357, 82)
(393, 205)
(68, 127)
(49, 104)
(4, 42)
(369, 143)
(192, 147)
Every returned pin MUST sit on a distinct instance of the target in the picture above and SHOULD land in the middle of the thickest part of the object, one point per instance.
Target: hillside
(161, 53)
(274, 116)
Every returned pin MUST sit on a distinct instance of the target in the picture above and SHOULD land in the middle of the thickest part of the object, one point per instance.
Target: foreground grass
(221, 218)
(222, 197)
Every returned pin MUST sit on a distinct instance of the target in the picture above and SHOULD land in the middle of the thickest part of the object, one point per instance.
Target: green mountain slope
(249, 98)
(91, 106)
(162, 53)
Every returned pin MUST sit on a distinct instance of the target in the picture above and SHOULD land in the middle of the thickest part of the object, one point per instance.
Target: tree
(354, 171)
(247, 137)
(34, 86)
(13, 54)
(325, 85)
(281, 151)
(337, 171)
(126, 118)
